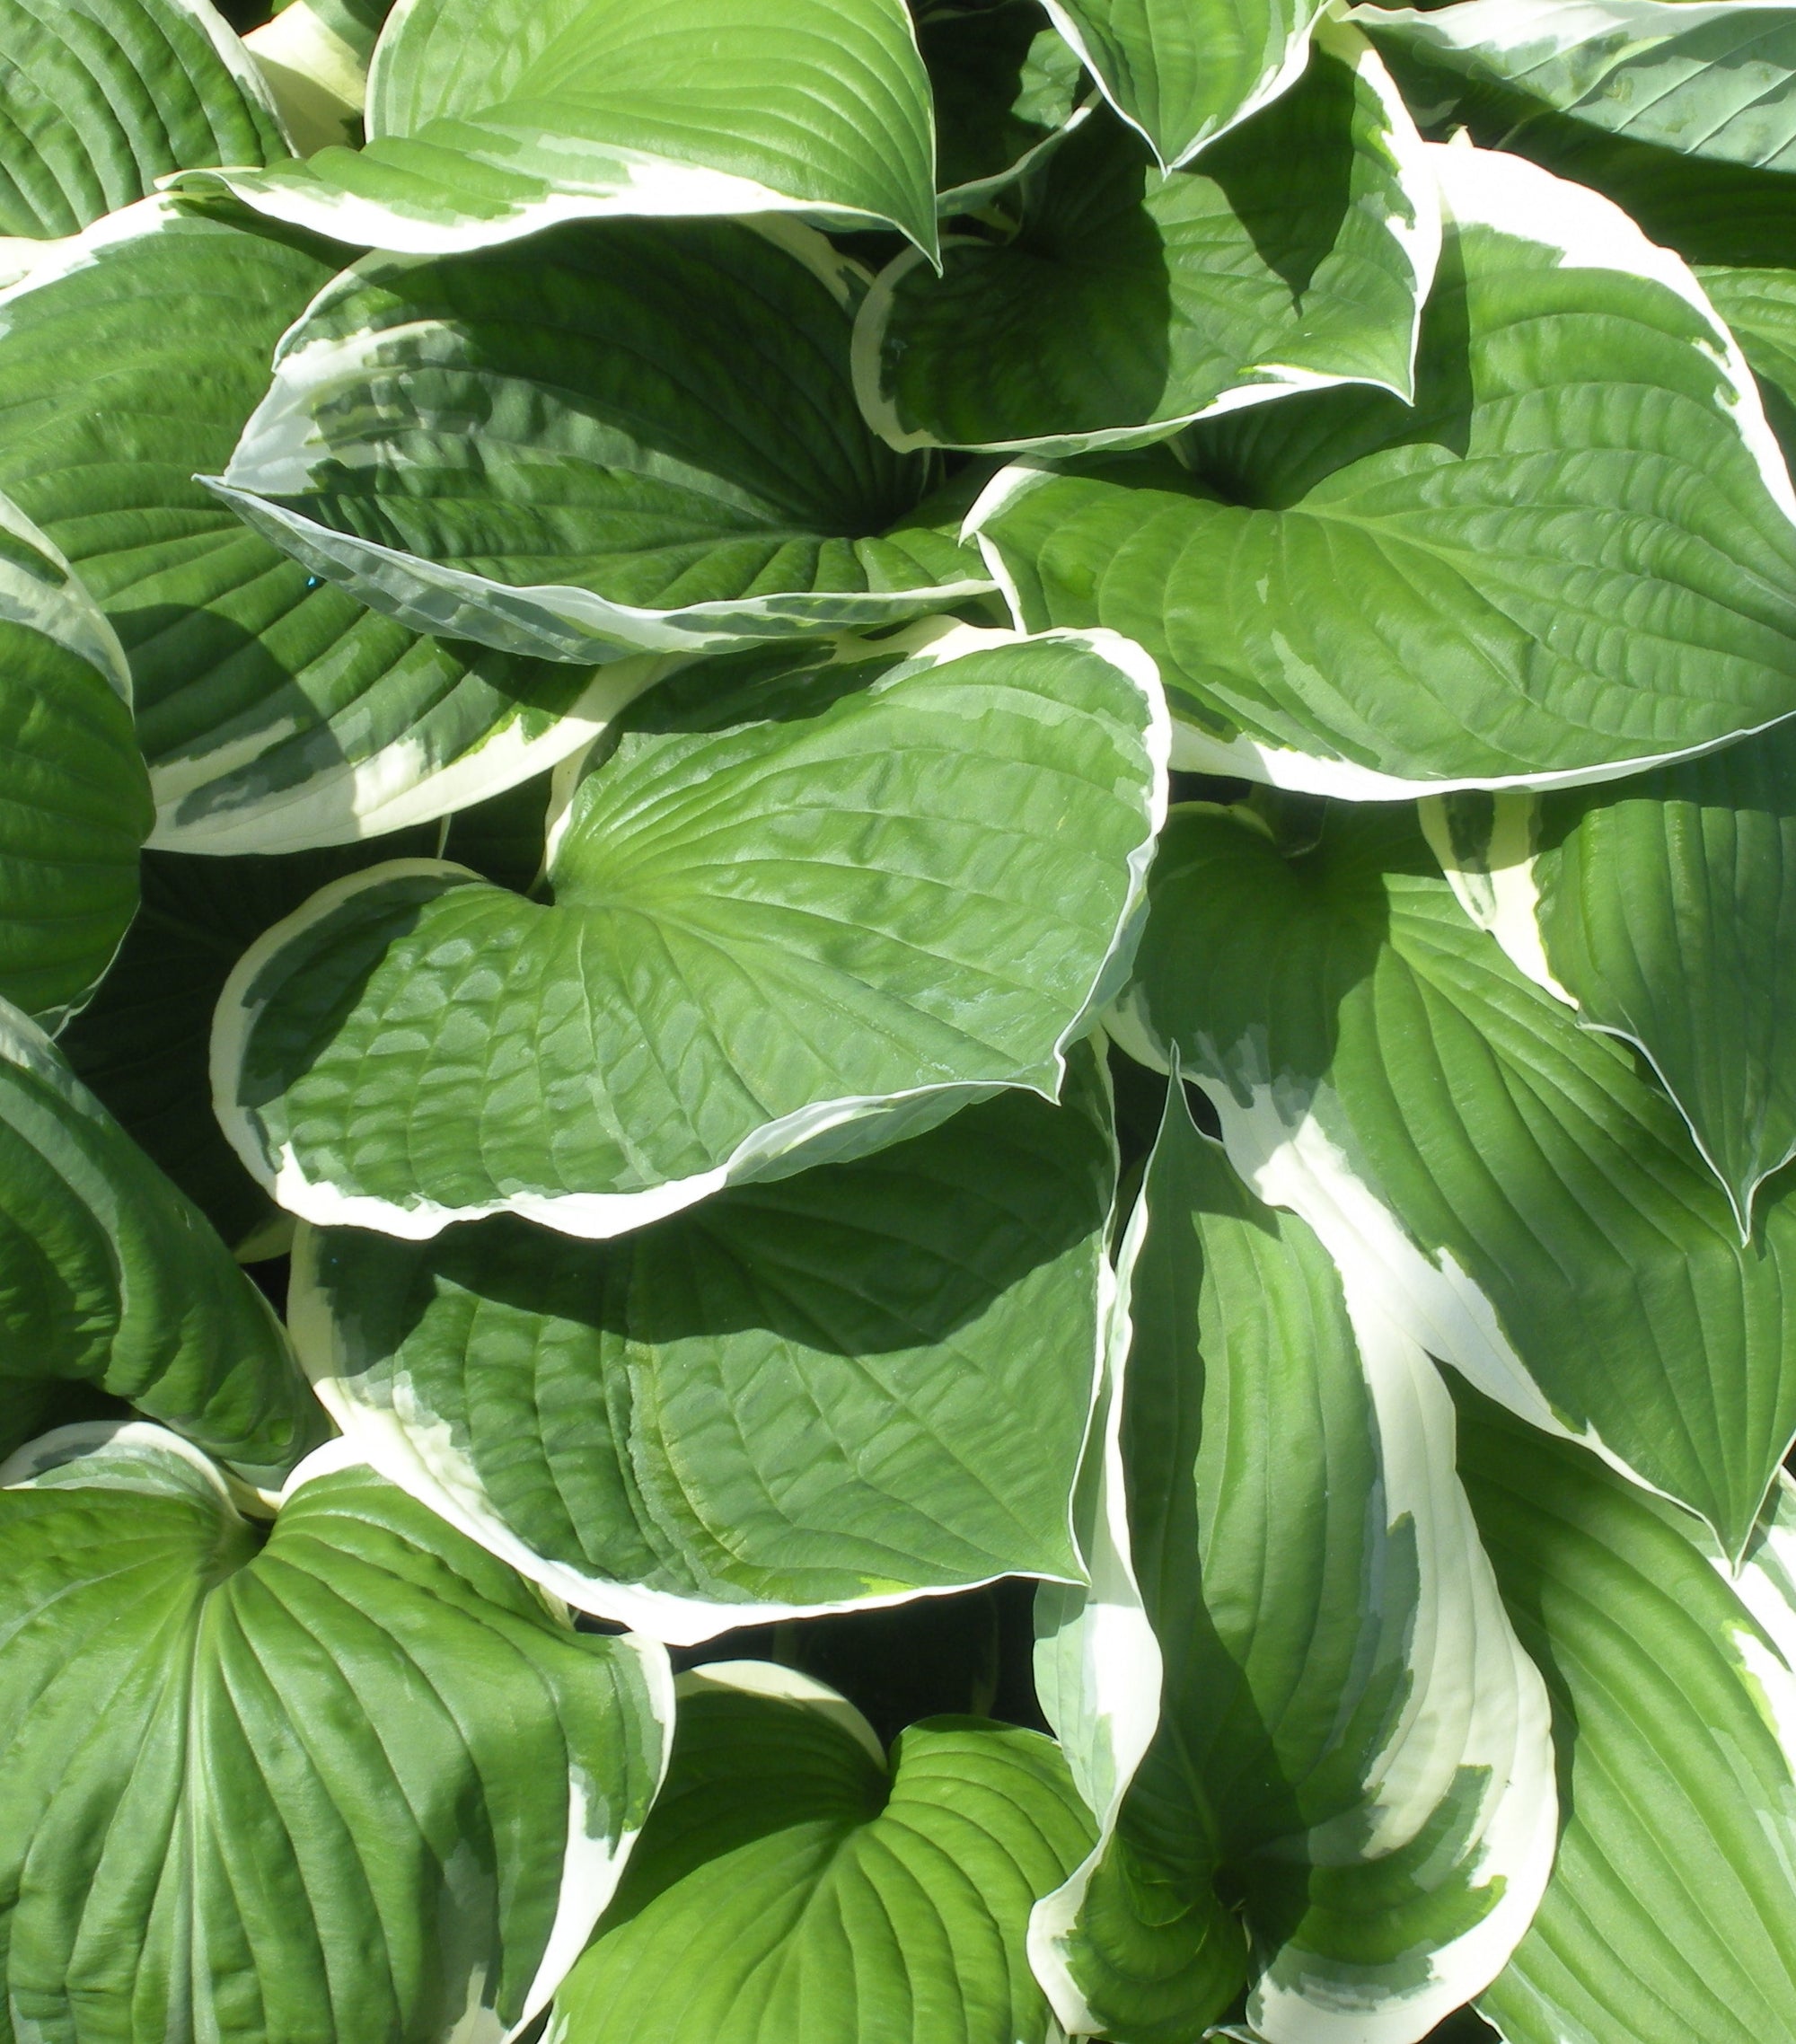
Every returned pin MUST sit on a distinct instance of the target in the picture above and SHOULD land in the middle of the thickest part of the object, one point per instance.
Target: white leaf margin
(1258, 383)
(414, 1449)
(641, 185)
(1479, 187)
(405, 782)
(545, 621)
(591, 1864)
(768, 1152)
(1488, 1708)
(1273, 82)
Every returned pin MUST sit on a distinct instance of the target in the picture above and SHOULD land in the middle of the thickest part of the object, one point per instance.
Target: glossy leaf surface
(794, 917)
(276, 714)
(1350, 1800)
(1131, 301)
(867, 1380)
(1527, 1206)
(795, 1882)
(488, 120)
(627, 437)
(1524, 580)
(1671, 1915)
(355, 1780)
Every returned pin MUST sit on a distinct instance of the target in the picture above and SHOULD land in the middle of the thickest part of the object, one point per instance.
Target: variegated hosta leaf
(1007, 90)
(314, 57)
(633, 436)
(817, 899)
(276, 714)
(110, 1277)
(75, 804)
(1351, 1798)
(488, 120)
(1130, 301)
(1527, 1205)
(1671, 1915)
(143, 1042)
(1666, 911)
(1186, 71)
(792, 1883)
(868, 1380)
(1524, 580)
(1713, 79)
(350, 1778)
(101, 98)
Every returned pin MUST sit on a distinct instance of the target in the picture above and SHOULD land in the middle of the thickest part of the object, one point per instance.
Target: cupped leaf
(491, 119)
(142, 1044)
(1526, 579)
(1349, 1800)
(795, 1882)
(1525, 1205)
(75, 803)
(99, 98)
(817, 900)
(276, 714)
(864, 1382)
(620, 437)
(1007, 90)
(314, 57)
(1710, 79)
(356, 1781)
(110, 1277)
(1131, 301)
(1184, 72)
(1665, 911)
(1671, 1915)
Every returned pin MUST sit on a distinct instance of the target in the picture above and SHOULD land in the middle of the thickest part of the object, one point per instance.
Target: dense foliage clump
(897, 1021)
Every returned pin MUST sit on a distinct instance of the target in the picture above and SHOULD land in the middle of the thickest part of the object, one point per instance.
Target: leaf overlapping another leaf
(1573, 557)
(274, 714)
(488, 120)
(795, 916)
(868, 1380)
(622, 438)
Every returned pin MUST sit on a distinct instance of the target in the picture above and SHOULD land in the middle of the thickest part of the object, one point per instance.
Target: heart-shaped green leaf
(1523, 580)
(1186, 72)
(99, 98)
(1131, 301)
(1671, 1914)
(490, 119)
(1524, 1205)
(868, 1380)
(75, 801)
(354, 1780)
(1350, 1800)
(794, 1883)
(817, 899)
(626, 437)
(1712, 79)
(109, 1278)
(276, 714)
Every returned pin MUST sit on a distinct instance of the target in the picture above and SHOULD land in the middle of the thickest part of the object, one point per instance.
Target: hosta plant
(897, 1037)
